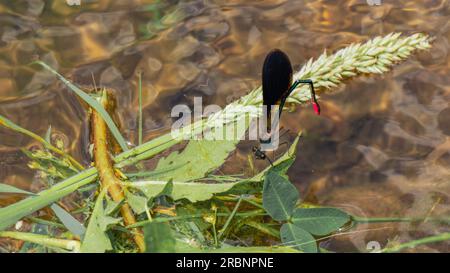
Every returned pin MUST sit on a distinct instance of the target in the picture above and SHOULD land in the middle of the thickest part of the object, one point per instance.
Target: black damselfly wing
(276, 80)
(277, 85)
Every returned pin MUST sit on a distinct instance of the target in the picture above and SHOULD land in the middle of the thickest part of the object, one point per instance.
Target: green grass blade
(72, 224)
(13, 213)
(140, 109)
(5, 188)
(67, 219)
(227, 223)
(93, 103)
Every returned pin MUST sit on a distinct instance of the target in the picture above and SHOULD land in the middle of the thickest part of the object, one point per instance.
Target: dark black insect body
(277, 86)
(261, 155)
(276, 81)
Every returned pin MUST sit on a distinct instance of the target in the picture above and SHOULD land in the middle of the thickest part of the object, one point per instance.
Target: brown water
(381, 148)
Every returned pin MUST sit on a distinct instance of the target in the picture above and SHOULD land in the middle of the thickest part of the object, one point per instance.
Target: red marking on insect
(316, 107)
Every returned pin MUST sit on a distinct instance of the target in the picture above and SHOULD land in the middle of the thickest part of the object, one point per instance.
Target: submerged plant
(174, 201)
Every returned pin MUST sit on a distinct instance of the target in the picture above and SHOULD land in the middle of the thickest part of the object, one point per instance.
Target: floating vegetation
(181, 206)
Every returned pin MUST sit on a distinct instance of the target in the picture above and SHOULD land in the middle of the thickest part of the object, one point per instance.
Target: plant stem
(360, 220)
(227, 223)
(140, 109)
(177, 218)
(47, 145)
(263, 228)
(71, 245)
(106, 172)
(45, 222)
(216, 241)
(411, 244)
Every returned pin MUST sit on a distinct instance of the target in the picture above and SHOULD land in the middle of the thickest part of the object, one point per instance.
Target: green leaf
(200, 157)
(154, 174)
(93, 103)
(11, 214)
(283, 167)
(168, 189)
(298, 238)
(54, 167)
(5, 188)
(68, 220)
(112, 206)
(319, 221)
(96, 240)
(136, 202)
(192, 191)
(279, 197)
(158, 238)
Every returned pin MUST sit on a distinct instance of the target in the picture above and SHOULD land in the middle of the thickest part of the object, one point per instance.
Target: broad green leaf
(192, 191)
(298, 238)
(96, 240)
(68, 220)
(5, 188)
(136, 202)
(200, 157)
(92, 103)
(158, 238)
(279, 197)
(319, 221)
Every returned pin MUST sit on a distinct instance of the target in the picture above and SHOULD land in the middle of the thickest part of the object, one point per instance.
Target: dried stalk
(108, 179)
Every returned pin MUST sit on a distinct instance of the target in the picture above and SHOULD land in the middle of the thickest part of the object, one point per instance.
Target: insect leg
(314, 102)
(313, 93)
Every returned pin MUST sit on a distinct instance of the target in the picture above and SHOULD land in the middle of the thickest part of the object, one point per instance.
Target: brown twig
(104, 165)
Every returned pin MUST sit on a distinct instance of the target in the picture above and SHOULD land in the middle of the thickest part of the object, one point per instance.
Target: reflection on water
(380, 148)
